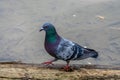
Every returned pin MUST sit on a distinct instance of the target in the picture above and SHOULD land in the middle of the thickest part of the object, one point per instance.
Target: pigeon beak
(41, 29)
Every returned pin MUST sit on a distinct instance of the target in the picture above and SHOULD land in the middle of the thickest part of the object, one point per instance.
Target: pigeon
(64, 49)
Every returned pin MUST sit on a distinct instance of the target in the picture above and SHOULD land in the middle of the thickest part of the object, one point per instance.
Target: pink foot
(48, 63)
(67, 68)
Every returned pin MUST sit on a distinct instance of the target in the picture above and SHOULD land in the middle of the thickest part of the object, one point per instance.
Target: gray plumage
(63, 49)
(68, 50)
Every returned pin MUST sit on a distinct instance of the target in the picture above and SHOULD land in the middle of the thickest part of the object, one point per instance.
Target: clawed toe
(67, 68)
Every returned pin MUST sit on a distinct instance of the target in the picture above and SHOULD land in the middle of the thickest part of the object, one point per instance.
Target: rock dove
(64, 49)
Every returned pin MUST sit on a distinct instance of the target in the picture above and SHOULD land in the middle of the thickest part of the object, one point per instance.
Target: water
(91, 23)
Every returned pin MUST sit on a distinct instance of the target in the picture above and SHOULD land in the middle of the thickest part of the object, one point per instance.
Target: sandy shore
(17, 71)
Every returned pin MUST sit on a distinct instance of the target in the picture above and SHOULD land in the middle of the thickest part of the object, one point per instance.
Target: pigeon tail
(94, 53)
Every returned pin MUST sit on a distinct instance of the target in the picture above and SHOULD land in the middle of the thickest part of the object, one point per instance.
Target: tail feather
(94, 53)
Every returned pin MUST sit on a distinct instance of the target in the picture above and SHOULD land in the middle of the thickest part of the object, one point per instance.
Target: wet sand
(91, 23)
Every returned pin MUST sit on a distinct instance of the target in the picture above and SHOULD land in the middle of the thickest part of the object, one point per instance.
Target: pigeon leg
(50, 62)
(67, 67)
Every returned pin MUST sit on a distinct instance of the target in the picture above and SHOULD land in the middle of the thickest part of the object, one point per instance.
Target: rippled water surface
(91, 23)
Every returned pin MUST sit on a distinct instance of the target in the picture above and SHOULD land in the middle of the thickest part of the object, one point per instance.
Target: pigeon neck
(51, 36)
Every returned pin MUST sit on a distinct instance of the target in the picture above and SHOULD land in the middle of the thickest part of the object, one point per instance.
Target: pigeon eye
(45, 26)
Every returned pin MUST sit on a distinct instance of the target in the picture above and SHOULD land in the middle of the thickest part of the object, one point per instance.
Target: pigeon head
(51, 34)
(48, 27)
